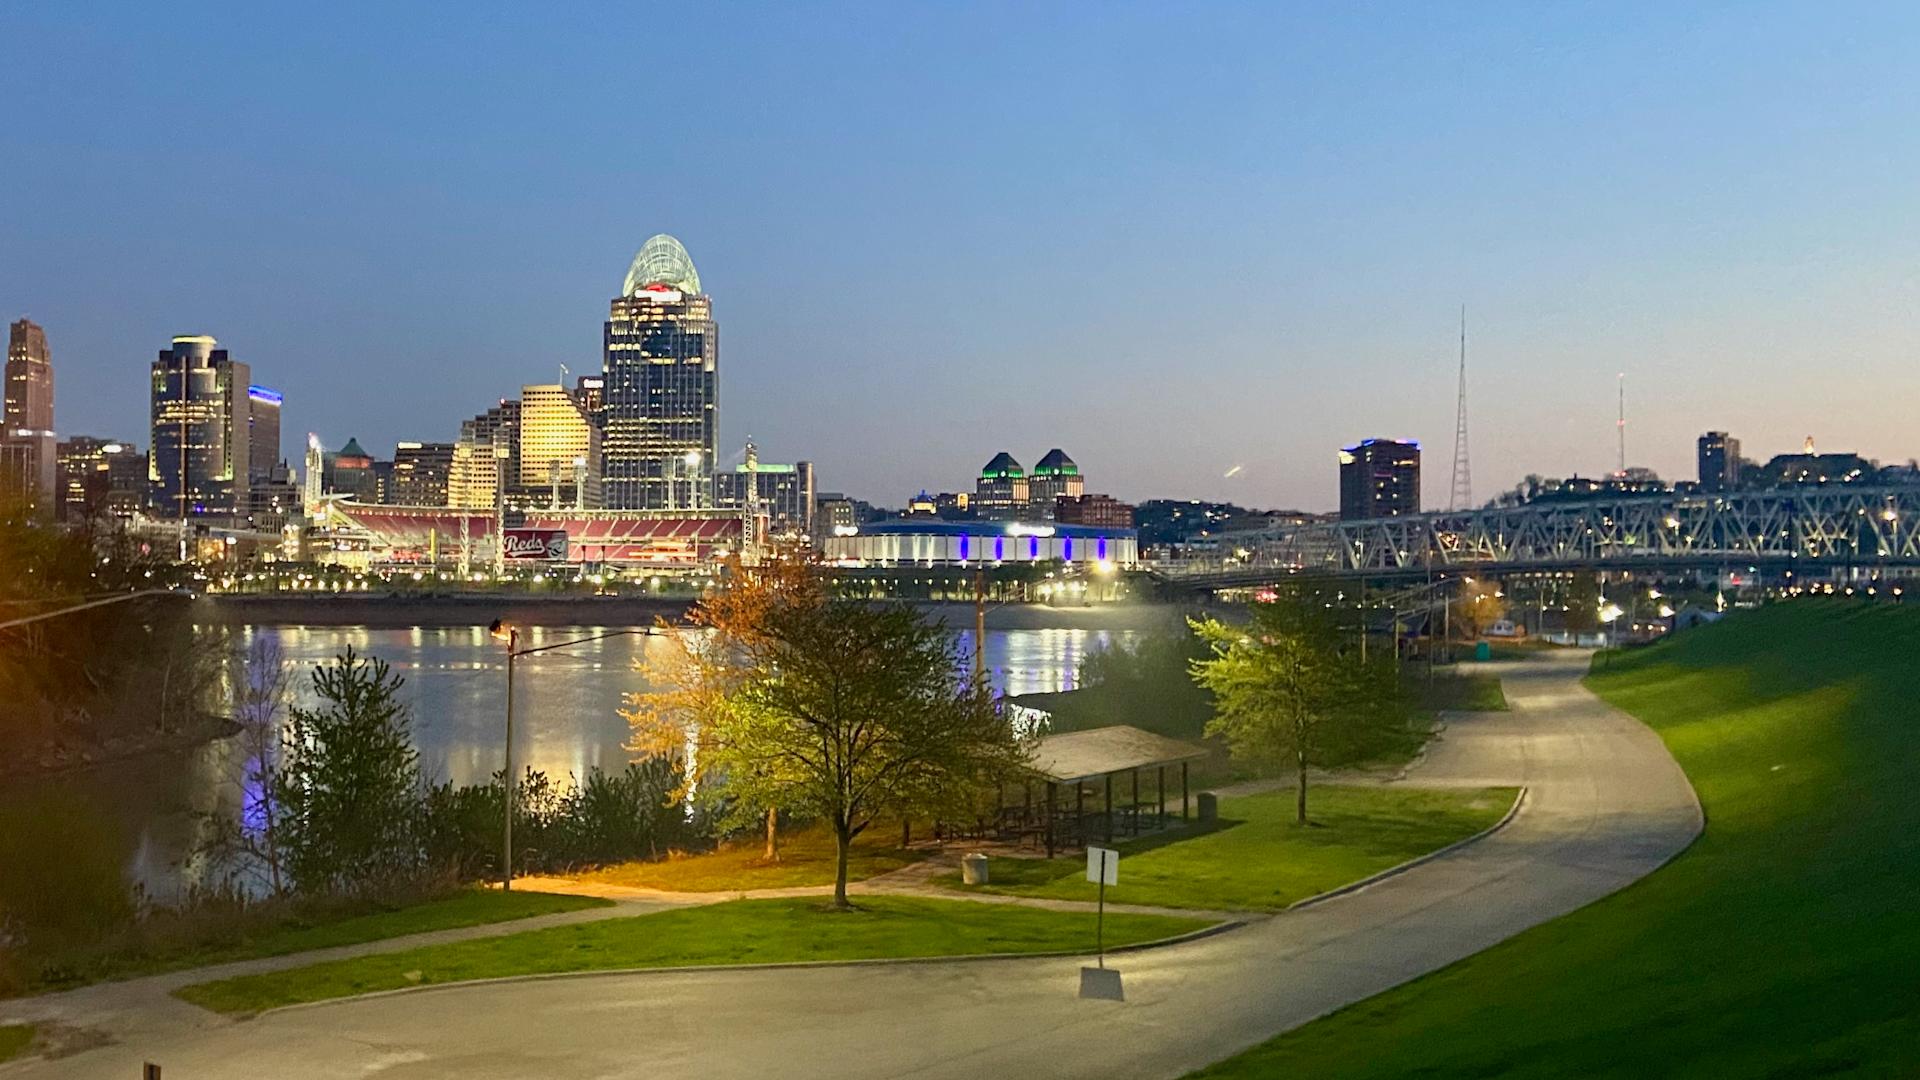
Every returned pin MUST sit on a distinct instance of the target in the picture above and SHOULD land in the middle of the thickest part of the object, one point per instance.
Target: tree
(252, 838)
(837, 709)
(349, 785)
(1288, 693)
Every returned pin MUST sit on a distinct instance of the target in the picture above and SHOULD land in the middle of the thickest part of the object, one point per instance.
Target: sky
(1170, 239)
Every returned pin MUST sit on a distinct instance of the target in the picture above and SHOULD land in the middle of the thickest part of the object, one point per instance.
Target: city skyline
(1679, 217)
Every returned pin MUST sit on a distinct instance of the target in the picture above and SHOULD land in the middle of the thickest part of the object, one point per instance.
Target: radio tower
(1462, 496)
(1622, 425)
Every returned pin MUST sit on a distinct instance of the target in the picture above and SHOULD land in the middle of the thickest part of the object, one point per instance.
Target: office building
(591, 391)
(1097, 510)
(834, 513)
(200, 449)
(29, 466)
(1719, 456)
(263, 433)
(487, 450)
(1056, 476)
(1001, 493)
(660, 405)
(559, 448)
(420, 472)
(782, 495)
(351, 473)
(1379, 478)
(86, 468)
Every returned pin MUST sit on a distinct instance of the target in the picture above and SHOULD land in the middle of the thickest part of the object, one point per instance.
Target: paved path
(1606, 805)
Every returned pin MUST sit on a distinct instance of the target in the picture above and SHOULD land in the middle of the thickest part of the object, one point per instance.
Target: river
(566, 718)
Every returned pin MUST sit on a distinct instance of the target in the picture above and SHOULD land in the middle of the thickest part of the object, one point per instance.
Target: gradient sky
(1171, 240)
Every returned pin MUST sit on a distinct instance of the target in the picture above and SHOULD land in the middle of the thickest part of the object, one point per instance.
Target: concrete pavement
(1606, 805)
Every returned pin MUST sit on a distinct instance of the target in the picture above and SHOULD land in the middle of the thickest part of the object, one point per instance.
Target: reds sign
(532, 544)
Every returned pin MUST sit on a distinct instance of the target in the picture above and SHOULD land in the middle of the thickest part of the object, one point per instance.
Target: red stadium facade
(650, 539)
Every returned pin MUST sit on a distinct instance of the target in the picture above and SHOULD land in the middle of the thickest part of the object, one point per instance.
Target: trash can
(973, 869)
(1209, 807)
(1483, 650)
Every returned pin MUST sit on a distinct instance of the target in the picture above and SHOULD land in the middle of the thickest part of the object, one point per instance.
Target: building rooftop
(1086, 755)
(1002, 467)
(1056, 463)
(662, 264)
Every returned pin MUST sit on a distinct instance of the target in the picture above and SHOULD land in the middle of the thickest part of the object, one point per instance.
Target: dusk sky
(1170, 240)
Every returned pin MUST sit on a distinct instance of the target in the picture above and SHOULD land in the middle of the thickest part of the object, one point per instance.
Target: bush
(608, 817)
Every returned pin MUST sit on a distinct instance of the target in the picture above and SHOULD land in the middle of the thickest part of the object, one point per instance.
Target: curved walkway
(1606, 805)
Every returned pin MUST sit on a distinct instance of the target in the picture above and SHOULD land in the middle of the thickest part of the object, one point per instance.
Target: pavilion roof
(1082, 755)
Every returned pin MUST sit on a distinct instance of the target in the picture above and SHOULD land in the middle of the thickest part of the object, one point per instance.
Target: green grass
(171, 942)
(14, 1038)
(1258, 859)
(1464, 693)
(1784, 942)
(739, 932)
(806, 858)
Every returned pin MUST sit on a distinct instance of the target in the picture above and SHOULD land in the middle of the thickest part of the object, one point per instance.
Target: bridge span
(1804, 530)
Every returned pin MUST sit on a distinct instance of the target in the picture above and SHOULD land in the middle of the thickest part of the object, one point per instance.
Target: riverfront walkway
(1605, 805)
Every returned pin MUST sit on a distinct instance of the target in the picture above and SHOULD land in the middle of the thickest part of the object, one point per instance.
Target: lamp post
(507, 632)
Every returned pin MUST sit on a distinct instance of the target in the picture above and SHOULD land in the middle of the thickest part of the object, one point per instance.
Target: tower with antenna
(1621, 425)
(1461, 497)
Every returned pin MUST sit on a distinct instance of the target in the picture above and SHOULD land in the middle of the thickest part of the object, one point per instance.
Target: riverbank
(401, 610)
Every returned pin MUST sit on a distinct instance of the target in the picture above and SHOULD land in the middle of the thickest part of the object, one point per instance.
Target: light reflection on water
(566, 718)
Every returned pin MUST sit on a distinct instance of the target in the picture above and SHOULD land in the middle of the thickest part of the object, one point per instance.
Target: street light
(507, 632)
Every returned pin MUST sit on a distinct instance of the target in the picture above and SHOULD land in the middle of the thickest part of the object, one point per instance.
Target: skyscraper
(420, 473)
(1719, 455)
(201, 450)
(660, 403)
(1056, 475)
(28, 467)
(263, 433)
(559, 447)
(1379, 478)
(1001, 492)
(487, 450)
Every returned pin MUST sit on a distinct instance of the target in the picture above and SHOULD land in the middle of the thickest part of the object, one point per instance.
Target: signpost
(1103, 869)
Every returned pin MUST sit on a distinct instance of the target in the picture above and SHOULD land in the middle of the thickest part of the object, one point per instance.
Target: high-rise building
(834, 513)
(353, 473)
(1055, 476)
(487, 450)
(29, 466)
(420, 472)
(559, 447)
(263, 433)
(1719, 456)
(86, 474)
(1001, 493)
(662, 389)
(591, 392)
(200, 449)
(782, 494)
(1379, 478)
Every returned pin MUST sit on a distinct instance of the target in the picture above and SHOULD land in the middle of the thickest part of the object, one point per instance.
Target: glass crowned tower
(659, 408)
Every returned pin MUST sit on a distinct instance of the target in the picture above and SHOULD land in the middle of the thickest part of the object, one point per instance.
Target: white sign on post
(1103, 866)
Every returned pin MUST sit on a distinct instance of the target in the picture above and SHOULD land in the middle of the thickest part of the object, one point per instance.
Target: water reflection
(566, 718)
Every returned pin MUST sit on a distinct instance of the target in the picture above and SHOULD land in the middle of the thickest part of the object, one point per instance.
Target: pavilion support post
(1160, 797)
(1134, 812)
(1183, 791)
(1080, 813)
(1109, 808)
(1051, 787)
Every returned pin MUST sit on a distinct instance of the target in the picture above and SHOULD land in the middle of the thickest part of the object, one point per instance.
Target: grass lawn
(202, 940)
(1258, 859)
(1465, 693)
(742, 931)
(806, 858)
(13, 1039)
(1785, 942)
